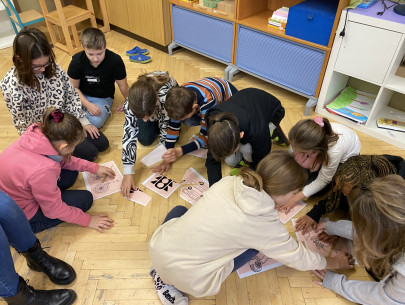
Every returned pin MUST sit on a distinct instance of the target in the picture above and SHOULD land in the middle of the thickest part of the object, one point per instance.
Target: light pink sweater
(29, 177)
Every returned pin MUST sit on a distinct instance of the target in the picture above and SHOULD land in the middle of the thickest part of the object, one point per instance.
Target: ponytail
(223, 135)
(277, 174)
(59, 126)
(314, 134)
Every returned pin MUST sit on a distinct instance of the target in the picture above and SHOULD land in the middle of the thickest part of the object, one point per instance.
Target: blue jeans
(238, 261)
(148, 131)
(105, 107)
(15, 231)
(75, 198)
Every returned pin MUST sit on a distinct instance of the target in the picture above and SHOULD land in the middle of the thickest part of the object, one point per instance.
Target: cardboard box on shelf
(227, 6)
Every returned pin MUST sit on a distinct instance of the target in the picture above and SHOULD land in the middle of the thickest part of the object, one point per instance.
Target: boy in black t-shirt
(93, 73)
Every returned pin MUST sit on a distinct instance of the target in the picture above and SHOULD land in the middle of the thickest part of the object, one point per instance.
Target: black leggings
(89, 148)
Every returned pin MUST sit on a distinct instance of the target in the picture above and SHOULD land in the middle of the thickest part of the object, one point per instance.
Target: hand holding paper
(154, 156)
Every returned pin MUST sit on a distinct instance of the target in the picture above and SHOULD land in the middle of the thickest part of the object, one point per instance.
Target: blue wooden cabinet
(285, 62)
(205, 34)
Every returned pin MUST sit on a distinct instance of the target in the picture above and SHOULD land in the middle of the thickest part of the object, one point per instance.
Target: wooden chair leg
(75, 36)
(60, 34)
(68, 40)
(51, 32)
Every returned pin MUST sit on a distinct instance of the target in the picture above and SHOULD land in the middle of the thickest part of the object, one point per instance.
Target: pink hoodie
(29, 177)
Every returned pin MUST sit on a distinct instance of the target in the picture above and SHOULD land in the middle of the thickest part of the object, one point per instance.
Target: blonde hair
(309, 135)
(93, 38)
(277, 174)
(378, 214)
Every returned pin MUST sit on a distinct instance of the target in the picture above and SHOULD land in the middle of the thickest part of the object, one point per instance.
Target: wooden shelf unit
(253, 15)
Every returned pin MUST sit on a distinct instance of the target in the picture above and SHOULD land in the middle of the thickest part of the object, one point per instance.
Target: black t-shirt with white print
(100, 81)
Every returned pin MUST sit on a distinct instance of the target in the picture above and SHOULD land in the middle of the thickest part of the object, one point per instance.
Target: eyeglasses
(37, 68)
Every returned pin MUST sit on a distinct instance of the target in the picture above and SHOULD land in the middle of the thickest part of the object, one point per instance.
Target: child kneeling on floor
(195, 251)
(31, 168)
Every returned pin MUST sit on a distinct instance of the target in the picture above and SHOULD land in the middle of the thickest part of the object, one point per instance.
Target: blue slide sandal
(137, 50)
(140, 58)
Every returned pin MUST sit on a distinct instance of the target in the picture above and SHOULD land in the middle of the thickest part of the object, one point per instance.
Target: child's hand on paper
(101, 223)
(127, 184)
(323, 236)
(104, 171)
(290, 203)
(172, 154)
(162, 167)
(304, 223)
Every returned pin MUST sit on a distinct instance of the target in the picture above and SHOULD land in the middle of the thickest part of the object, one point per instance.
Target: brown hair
(357, 171)
(30, 44)
(223, 135)
(179, 102)
(143, 94)
(309, 135)
(378, 214)
(277, 174)
(93, 38)
(59, 126)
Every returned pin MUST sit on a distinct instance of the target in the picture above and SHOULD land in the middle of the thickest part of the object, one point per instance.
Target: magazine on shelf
(393, 120)
(352, 104)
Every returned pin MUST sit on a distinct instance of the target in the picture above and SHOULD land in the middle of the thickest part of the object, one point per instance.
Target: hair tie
(319, 120)
(363, 188)
(217, 121)
(57, 115)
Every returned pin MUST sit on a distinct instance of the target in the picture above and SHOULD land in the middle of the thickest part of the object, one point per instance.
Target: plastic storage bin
(312, 20)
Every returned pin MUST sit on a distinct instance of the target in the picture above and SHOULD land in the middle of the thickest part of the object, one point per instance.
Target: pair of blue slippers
(139, 55)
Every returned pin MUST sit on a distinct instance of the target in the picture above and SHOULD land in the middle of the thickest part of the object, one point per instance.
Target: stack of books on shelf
(393, 120)
(279, 18)
(352, 104)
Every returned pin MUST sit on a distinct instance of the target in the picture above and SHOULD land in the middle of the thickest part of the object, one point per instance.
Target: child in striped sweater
(188, 104)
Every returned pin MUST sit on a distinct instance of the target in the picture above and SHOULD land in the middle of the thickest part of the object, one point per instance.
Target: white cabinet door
(366, 52)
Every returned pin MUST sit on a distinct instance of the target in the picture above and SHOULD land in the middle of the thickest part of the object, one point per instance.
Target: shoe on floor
(279, 138)
(137, 50)
(140, 58)
(168, 294)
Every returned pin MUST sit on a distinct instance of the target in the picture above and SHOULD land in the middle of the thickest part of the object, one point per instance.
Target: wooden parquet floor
(113, 268)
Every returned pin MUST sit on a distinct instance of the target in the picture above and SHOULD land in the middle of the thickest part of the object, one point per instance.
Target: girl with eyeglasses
(36, 82)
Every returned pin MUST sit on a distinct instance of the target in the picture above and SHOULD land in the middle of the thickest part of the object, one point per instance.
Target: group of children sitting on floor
(59, 116)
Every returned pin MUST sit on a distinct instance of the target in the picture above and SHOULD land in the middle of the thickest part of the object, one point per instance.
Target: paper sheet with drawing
(161, 184)
(136, 195)
(100, 186)
(285, 217)
(259, 263)
(154, 156)
(197, 185)
(310, 238)
(202, 152)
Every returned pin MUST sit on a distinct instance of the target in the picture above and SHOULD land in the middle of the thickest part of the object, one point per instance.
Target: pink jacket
(29, 177)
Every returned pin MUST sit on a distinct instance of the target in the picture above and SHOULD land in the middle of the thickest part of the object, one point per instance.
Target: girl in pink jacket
(31, 167)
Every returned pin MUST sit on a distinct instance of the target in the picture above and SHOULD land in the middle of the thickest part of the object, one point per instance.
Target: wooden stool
(65, 19)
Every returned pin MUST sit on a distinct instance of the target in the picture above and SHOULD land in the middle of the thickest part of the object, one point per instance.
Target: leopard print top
(27, 105)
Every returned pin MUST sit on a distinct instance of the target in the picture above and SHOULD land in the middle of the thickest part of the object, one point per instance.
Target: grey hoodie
(389, 291)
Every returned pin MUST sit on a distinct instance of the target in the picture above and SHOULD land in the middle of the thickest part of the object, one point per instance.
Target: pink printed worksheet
(197, 185)
(100, 186)
(136, 195)
(202, 152)
(285, 217)
(161, 184)
(259, 263)
(310, 239)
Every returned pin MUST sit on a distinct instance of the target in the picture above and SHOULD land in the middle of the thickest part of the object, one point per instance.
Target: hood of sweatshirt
(254, 202)
(34, 140)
